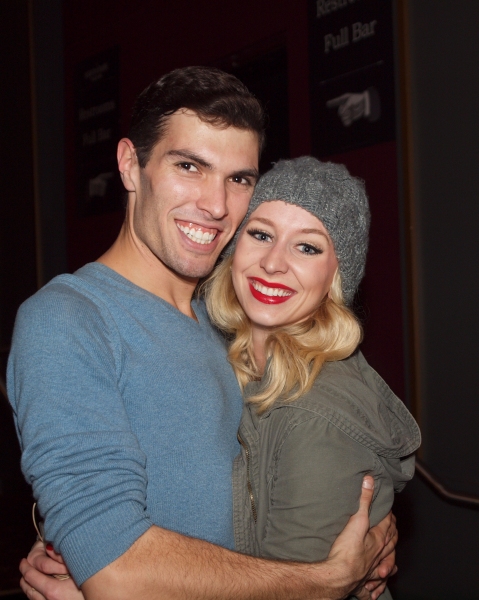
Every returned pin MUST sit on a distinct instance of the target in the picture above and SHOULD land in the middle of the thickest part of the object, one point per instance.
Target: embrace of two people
(156, 474)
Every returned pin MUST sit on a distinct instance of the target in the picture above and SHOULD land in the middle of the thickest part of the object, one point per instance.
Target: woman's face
(283, 265)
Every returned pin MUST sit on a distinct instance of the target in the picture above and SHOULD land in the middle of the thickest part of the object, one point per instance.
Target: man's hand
(379, 579)
(362, 555)
(38, 581)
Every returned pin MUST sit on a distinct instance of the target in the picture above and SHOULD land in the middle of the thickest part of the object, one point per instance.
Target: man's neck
(145, 270)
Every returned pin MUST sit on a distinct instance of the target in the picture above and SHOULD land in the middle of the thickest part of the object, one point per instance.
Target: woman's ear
(127, 163)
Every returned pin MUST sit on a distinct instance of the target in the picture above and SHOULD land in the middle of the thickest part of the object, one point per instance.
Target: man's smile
(197, 233)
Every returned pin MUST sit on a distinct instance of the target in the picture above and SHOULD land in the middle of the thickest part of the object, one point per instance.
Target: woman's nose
(275, 260)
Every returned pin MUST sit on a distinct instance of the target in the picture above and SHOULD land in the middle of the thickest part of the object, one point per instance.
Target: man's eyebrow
(188, 155)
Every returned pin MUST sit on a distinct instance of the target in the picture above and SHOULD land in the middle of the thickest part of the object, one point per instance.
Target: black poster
(97, 131)
(352, 74)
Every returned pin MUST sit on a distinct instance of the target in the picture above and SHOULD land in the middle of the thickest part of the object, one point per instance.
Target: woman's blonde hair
(296, 352)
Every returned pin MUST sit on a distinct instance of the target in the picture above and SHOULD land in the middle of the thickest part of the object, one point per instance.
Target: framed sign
(352, 74)
(97, 130)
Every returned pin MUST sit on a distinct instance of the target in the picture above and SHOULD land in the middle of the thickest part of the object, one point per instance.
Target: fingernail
(49, 547)
(368, 483)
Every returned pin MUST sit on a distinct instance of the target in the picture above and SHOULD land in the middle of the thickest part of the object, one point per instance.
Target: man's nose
(275, 260)
(213, 199)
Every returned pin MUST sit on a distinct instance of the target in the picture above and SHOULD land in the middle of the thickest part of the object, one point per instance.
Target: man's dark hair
(216, 97)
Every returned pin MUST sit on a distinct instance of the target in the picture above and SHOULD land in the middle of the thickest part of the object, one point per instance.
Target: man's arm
(85, 465)
(163, 564)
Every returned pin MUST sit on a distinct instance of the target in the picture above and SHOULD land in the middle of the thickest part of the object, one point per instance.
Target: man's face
(193, 193)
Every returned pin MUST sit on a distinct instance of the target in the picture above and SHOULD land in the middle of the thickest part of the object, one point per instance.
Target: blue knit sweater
(127, 413)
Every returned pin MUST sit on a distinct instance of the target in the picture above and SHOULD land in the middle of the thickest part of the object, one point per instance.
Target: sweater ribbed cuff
(104, 538)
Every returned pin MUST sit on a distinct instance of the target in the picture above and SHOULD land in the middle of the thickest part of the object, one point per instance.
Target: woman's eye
(310, 250)
(261, 236)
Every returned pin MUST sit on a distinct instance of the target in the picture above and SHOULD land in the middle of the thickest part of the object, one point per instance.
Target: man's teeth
(198, 236)
(267, 291)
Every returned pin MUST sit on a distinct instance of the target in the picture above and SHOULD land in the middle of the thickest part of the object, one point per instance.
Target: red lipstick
(264, 297)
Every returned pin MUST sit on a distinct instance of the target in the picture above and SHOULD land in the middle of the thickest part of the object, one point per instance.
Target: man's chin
(190, 265)
(193, 270)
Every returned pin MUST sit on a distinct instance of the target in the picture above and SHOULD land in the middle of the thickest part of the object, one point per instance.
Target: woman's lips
(269, 293)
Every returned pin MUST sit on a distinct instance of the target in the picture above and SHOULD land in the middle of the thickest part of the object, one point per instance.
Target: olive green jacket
(298, 477)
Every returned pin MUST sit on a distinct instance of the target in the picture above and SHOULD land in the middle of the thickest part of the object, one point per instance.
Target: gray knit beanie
(331, 194)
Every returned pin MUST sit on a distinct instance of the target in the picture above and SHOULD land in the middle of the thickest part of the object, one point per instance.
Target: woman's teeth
(196, 235)
(267, 291)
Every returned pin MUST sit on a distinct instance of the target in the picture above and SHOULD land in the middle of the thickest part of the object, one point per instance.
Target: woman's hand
(38, 581)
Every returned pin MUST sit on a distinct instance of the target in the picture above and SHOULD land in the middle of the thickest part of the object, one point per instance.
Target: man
(125, 405)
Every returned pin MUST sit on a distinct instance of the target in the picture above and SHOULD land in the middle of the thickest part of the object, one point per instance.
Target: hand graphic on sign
(353, 106)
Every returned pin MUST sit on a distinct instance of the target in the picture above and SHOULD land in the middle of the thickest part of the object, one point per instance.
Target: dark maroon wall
(155, 37)
(380, 297)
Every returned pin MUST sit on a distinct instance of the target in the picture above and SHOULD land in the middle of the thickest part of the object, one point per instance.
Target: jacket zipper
(248, 479)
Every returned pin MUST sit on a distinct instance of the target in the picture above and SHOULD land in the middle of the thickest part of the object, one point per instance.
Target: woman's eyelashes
(306, 248)
(258, 234)
(309, 249)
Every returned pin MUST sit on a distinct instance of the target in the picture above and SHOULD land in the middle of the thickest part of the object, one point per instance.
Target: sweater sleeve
(84, 463)
(314, 488)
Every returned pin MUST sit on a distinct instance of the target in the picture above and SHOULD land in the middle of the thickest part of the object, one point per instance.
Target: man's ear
(127, 163)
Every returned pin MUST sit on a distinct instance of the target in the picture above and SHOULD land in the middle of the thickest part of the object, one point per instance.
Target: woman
(316, 417)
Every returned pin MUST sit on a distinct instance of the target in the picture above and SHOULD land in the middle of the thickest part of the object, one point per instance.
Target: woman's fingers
(39, 586)
(49, 549)
(46, 563)
(29, 591)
